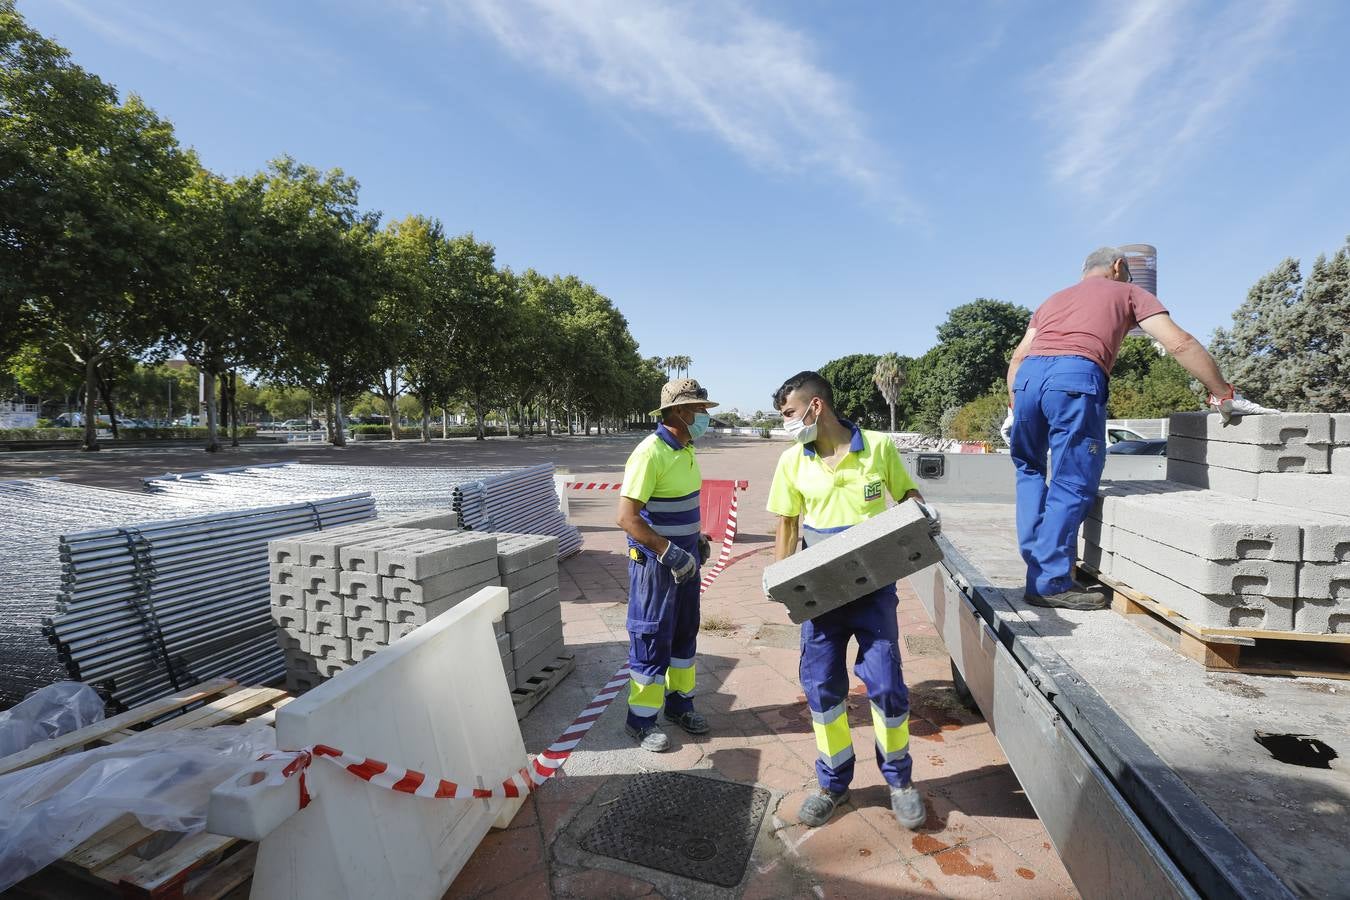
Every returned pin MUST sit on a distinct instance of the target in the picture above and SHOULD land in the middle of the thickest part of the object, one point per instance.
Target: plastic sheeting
(164, 779)
(49, 712)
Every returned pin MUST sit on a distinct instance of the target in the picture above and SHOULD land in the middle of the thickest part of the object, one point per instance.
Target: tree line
(117, 247)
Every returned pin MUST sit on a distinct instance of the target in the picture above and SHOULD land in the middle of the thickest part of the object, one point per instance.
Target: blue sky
(766, 186)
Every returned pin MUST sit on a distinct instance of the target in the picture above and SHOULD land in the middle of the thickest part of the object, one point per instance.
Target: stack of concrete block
(528, 567)
(1229, 541)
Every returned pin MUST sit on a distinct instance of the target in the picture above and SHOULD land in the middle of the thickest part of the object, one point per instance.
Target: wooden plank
(118, 839)
(45, 750)
(231, 707)
(227, 875)
(164, 873)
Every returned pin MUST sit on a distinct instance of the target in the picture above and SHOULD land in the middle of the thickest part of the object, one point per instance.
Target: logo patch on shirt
(872, 491)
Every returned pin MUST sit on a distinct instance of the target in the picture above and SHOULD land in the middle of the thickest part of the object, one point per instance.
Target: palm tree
(682, 364)
(668, 363)
(890, 378)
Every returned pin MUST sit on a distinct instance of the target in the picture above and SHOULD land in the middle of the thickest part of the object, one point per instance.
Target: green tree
(1145, 384)
(1256, 351)
(1321, 322)
(890, 375)
(980, 419)
(974, 346)
(483, 304)
(856, 397)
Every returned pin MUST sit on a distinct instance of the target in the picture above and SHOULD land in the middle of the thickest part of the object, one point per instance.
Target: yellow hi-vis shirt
(664, 475)
(833, 500)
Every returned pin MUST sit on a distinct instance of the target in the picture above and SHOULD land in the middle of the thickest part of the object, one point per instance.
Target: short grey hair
(1102, 258)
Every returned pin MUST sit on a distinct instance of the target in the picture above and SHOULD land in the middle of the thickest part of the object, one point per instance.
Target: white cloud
(713, 67)
(1148, 82)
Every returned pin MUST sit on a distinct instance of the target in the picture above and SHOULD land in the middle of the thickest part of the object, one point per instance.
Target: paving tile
(1042, 859)
(987, 868)
(594, 883)
(998, 803)
(501, 859)
(842, 846)
(891, 880)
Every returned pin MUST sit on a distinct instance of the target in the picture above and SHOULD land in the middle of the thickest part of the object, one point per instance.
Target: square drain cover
(700, 828)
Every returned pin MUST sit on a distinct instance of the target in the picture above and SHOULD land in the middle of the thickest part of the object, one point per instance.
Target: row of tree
(117, 246)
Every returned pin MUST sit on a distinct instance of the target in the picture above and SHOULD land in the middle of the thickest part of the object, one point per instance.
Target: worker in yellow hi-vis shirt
(835, 476)
(659, 510)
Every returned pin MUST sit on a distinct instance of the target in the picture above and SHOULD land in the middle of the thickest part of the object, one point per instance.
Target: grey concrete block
(528, 612)
(361, 650)
(317, 579)
(405, 590)
(1323, 493)
(1311, 458)
(1212, 611)
(524, 596)
(1210, 524)
(542, 636)
(331, 654)
(1340, 429)
(290, 619)
(547, 622)
(1261, 577)
(520, 551)
(283, 573)
(298, 683)
(1095, 556)
(359, 585)
(1324, 616)
(865, 558)
(432, 518)
(368, 630)
(437, 556)
(421, 613)
(321, 548)
(323, 601)
(1271, 430)
(503, 645)
(530, 574)
(298, 660)
(1326, 537)
(528, 668)
(1225, 481)
(329, 624)
(1325, 581)
(361, 555)
(400, 629)
(1094, 531)
(369, 609)
(288, 595)
(1340, 460)
(288, 641)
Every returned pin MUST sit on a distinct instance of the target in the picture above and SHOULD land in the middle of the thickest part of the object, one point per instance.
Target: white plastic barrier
(435, 701)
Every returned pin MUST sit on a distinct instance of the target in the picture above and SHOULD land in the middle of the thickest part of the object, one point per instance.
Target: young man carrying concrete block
(834, 477)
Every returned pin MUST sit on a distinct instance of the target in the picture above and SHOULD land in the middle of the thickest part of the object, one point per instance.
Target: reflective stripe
(680, 677)
(833, 742)
(639, 678)
(645, 699)
(892, 734)
(676, 530)
(679, 504)
(812, 536)
(681, 663)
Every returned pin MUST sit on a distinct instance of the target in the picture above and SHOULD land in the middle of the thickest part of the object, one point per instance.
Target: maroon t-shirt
(1090, 319)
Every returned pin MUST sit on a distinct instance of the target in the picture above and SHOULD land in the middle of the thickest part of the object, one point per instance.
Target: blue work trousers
(663, 620)
(1059, 407)
(824, 675)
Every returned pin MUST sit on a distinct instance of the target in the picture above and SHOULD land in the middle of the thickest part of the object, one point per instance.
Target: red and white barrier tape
(410, 781)
(594, 485)
(724, 556)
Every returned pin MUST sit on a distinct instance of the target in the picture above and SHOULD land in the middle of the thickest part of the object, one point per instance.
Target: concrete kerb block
(1325, 616)
(524, 596)
(1094, 531)
(323, 602)
(1212, 611)
(287, 595)
(1340, 429)
(1225, 481)
(283, 573)
(325, 624)
(1257, 458)
(361, 650)
(520, 551)
(530, 575)
(288, 549)
(543, 637)
(361, 556)
(1324, 493)
(364, 609)
(320, 549)
(359, 585)
(1096, 557)
(519, 616)
(1268, 430)
(1340, 460)
(528, 668)
(499, 628)
(291, 642)
(289, 619)
(1211, 525)
(331, 654)
(432, 518)
(865, 558)
(302, 682)
(437, 556)
(522, 636)
(428, 590)
(317, 579)
(420, 613)
(1325, 581)
(400, 629)
(1259, 577)
(368, 631)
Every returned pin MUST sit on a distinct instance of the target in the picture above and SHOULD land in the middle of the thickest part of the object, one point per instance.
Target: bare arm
(631, 521)
(786, 537)
(1023, 348)
(1185, 349)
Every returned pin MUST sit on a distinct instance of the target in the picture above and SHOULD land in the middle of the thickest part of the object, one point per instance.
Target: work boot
(690, 721)
(1074, 598)
(907, 804)
(650, 738)
(817, 809)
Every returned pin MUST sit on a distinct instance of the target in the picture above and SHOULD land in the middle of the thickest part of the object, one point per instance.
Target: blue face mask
(699, 426)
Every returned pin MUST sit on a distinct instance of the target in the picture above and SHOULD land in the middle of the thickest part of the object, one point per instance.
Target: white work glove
(931, 512)
(764, 586)
(1005, 430)
(1234, 404)
(680, 562)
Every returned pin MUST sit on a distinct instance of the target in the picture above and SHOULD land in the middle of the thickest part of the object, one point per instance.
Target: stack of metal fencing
(147, 608)
(35, 512)
(519, 500)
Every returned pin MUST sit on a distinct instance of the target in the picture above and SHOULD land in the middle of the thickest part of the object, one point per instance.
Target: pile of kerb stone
(1251, 529)
(341, 594)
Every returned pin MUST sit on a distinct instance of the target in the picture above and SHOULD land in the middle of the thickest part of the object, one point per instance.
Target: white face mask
(799, 430)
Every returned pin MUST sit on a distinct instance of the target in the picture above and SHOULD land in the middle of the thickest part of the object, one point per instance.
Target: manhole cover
(700, 828)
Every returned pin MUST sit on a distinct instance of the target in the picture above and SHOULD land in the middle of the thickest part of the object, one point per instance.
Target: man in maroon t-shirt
(1057, 385)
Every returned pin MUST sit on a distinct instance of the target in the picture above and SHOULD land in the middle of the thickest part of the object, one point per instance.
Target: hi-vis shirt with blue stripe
(663, 474)
(833, 500)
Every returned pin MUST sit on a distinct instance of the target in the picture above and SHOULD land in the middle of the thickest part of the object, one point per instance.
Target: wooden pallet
(128, 860)
(527, 696)
(1252, 651)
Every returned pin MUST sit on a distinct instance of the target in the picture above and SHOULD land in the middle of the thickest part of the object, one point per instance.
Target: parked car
(1141, 447)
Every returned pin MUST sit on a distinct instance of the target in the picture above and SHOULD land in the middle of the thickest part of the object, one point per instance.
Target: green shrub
(979, 420)
(176, 433)
(369, 429)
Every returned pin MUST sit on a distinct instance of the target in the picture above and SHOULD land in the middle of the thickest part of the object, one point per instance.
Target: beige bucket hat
(681, 391)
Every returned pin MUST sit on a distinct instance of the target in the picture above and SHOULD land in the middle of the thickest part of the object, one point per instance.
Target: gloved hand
(680, 562)
(1005, 430)
(704, 549)
(1234, 404)
(934, 517)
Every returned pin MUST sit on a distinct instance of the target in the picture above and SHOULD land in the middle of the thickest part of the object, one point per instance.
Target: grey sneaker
(690, 721)
(817, 809)
(650, 738)
(907, 804)
(1074, 598)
